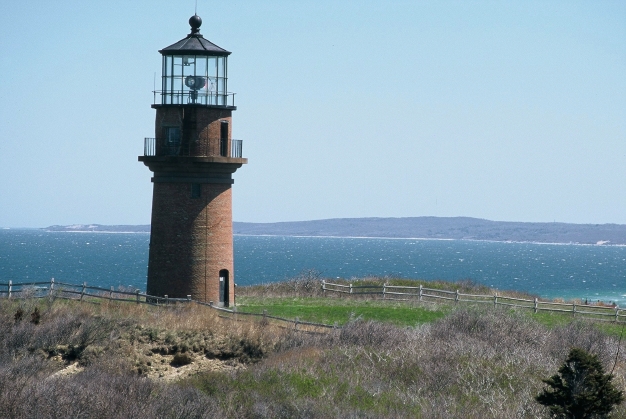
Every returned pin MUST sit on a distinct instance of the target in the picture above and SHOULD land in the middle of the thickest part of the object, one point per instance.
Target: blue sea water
(112, 259)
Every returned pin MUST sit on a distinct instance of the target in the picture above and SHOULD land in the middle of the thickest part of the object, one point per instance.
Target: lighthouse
(192, 157)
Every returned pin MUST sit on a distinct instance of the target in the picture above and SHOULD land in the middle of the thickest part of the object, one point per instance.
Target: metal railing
(149, 146)
(205, 148)
(191, 97)
(236, 148)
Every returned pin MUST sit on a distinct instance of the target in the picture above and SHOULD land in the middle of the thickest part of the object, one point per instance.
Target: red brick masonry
(191, 241)
(191, 237)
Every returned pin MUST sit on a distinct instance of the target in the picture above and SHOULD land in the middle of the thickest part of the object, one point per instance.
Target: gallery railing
(206, 148)
(191, 97)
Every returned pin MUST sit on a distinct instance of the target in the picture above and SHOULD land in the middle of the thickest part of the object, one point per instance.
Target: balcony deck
(207, 149)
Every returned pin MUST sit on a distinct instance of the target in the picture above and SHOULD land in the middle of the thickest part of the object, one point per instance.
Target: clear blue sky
(505, 110)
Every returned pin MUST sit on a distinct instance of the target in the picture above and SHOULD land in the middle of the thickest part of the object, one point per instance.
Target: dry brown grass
(471, 364)
(309, 284)
(117, 346)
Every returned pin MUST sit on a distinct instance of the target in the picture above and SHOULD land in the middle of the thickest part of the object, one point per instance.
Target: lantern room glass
(194, 79)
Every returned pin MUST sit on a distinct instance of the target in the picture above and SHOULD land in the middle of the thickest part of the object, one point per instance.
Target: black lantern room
(195, 71)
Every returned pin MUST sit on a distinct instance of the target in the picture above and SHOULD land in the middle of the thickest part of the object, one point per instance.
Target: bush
(581, 389)
(181, 359)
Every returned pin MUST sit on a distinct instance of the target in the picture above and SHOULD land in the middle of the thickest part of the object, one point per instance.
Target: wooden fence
(78, 292)
(63, 290)
(53, 289)
(421, 293)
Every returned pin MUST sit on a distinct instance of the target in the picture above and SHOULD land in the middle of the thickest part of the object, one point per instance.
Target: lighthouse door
(224, 287)
(224, 138)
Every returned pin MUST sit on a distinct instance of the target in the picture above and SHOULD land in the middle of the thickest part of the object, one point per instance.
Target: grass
(302, 298)
(472, 363)
(612, 329)
(340, 311)
(390, 359)
(556, 319)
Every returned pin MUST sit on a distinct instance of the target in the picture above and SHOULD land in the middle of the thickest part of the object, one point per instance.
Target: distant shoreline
(91, 231)
(433, 239)
(444, 228)
(341, 237)
(412, 228)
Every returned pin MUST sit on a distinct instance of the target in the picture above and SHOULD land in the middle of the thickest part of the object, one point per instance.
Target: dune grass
(473, 363)
(389, 360)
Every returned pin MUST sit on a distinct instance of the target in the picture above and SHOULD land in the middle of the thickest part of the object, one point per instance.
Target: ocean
(111, 259)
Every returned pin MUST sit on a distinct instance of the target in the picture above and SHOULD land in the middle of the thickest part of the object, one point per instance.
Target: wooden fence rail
(11, 290)
(66, 290)
(62, 290)
(421, 293)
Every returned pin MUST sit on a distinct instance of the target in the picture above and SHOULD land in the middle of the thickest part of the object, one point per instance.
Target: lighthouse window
(171, 145)
(195, 190)
(172, 135)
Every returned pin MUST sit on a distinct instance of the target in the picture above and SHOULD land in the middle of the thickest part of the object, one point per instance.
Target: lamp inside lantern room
(190, 79)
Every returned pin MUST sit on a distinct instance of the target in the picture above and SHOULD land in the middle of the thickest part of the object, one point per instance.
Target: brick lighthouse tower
(192, 157)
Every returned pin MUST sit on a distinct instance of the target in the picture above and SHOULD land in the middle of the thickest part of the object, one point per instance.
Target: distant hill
(413, 227)
(443, 228)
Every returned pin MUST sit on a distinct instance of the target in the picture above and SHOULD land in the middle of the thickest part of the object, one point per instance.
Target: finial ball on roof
(195, 22)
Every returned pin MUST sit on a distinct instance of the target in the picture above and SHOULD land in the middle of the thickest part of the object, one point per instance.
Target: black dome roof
(194, 43)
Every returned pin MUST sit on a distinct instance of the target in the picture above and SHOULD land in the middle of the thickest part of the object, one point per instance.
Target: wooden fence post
(619, 312)
(324, 287)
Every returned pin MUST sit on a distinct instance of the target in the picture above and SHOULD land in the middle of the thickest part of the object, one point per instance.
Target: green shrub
(581, 389)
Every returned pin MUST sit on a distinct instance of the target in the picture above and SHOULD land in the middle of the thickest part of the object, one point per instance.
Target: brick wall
(191, 241)
(194, 122)
(191, 238)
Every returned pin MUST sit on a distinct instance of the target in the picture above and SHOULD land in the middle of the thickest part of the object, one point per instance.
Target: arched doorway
(224, 288)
